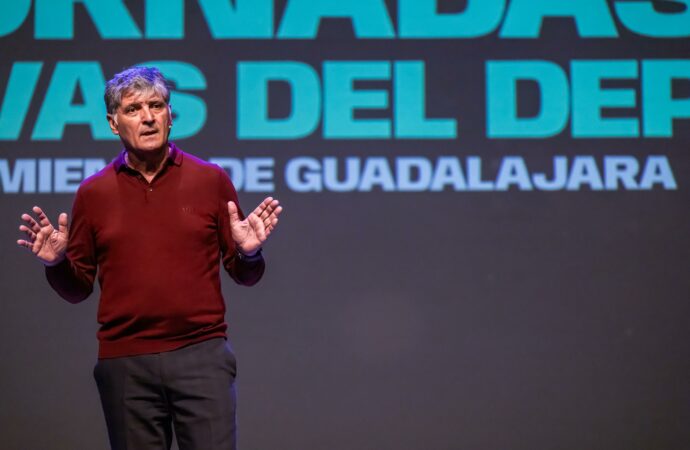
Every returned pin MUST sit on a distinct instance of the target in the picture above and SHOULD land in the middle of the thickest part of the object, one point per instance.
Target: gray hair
(138, 79)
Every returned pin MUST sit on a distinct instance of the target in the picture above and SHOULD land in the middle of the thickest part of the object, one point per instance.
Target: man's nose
(146, 114)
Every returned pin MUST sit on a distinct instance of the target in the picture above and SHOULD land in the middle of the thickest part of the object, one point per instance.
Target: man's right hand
(47, 243)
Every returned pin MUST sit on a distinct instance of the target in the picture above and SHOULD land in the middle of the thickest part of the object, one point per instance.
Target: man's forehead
(140, 96)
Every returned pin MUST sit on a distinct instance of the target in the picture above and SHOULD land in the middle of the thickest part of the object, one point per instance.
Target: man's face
(142, 121)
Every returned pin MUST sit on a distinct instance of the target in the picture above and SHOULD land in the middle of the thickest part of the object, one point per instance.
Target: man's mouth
(149, 133)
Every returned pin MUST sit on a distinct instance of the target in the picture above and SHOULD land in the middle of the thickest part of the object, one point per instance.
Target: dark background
(428, 321)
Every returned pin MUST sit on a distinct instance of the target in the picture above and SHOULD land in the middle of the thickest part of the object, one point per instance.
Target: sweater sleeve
(244, 272)
(73, 278)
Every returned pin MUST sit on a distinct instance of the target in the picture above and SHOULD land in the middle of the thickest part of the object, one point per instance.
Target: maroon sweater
(157, 248)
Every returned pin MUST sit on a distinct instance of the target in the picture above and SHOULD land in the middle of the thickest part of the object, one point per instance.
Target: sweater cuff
(60, 268)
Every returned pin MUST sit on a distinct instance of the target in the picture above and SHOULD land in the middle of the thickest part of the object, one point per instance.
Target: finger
(24, 243)
(271, 220)
(273, 215)
(233, 213)
(271, 209)
(62, 223)
(256, 223)
(42, 218)
(32, 223)
(27, 230)
(38, 243)
(258, 227)
(272, 226)
(261, 209)
(267, 220)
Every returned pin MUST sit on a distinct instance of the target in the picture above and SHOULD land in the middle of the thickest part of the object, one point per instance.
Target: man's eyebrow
(140, 102)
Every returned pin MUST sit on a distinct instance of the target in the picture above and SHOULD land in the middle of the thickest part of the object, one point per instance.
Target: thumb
(232, 211)
(62, 223)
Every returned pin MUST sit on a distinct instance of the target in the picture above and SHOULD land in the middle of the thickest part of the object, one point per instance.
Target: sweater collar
(174, 157)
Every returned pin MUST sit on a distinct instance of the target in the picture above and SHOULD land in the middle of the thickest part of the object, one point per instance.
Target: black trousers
(190, 391)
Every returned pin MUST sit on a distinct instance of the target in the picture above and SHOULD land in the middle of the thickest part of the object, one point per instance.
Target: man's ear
(112, 121)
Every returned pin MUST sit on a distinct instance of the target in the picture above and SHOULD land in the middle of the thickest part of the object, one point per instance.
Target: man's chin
(151, 146)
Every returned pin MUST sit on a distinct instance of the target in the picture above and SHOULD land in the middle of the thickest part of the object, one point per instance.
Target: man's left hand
(249, 234)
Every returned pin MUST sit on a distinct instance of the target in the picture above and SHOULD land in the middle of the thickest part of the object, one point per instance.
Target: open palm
(249, 234)
(45, 241)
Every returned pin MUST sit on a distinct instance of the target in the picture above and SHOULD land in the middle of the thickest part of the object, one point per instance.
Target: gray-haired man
(154, 225)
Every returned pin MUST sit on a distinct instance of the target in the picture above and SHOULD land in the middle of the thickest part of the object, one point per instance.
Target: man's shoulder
(204, 170)
(103, 179)
(195, 163)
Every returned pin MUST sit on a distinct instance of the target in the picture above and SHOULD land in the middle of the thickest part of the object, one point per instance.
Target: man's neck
(147, 163)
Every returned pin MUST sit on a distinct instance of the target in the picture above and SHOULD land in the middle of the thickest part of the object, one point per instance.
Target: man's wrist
(54, 263)
(249, 257)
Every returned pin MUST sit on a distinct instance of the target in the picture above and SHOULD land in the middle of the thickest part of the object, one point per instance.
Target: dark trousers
(190, 390)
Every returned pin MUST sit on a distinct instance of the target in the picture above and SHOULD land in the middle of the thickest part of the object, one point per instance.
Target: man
(155, 224)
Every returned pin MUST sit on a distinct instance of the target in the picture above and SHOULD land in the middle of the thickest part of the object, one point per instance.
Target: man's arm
(67, 254)
(241, 238)
(73, 278)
